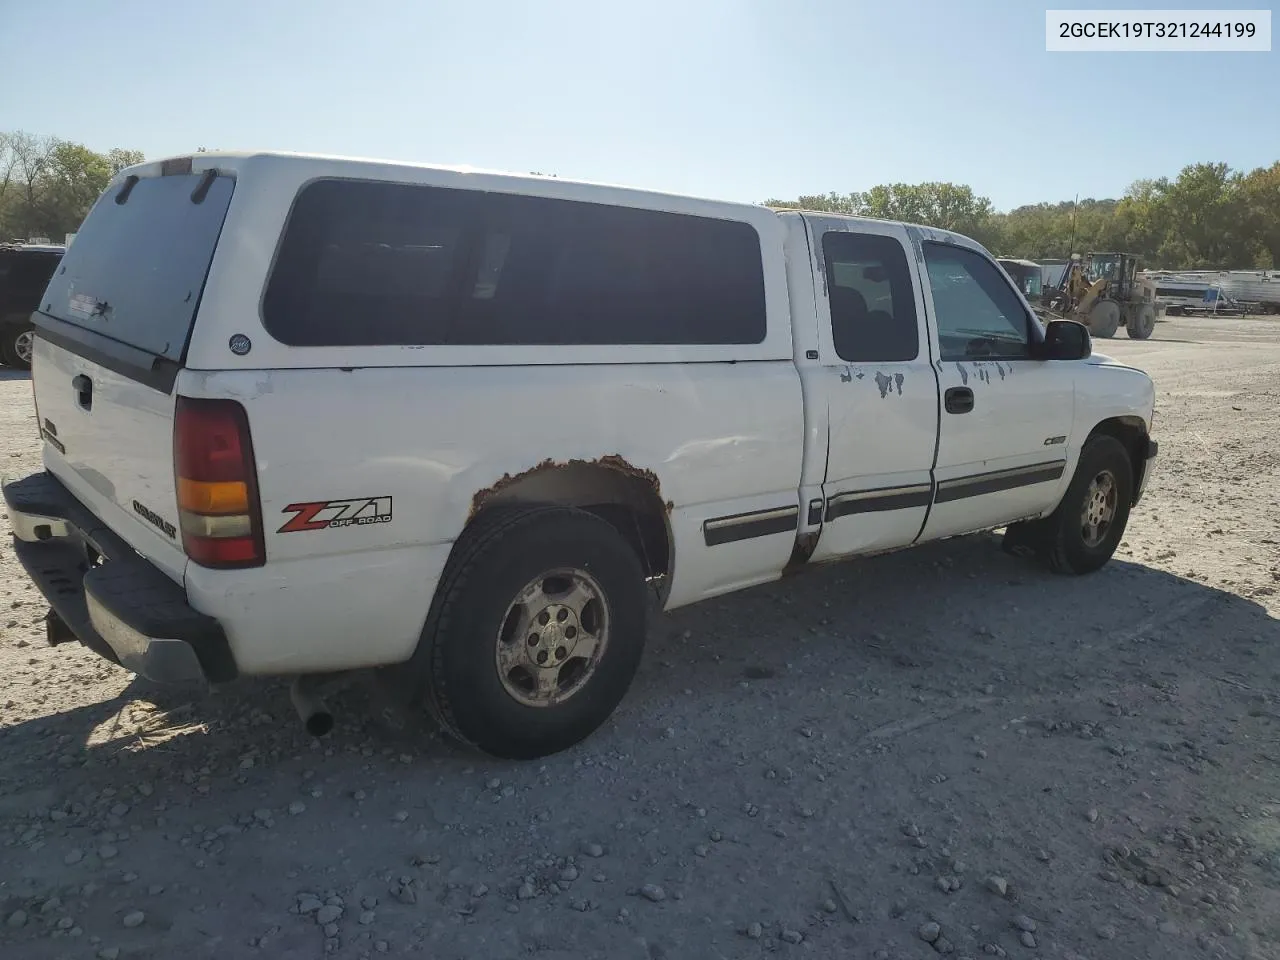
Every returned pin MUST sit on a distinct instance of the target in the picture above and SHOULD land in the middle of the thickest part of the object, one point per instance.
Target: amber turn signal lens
(227, 496)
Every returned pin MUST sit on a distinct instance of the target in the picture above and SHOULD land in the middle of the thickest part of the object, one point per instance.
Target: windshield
(137, 269)
(1104, 267)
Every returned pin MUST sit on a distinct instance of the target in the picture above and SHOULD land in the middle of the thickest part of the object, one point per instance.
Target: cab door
(1006, 418)
(878, 384)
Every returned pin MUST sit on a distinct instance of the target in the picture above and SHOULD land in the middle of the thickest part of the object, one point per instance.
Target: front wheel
(1082, 534)
(1104, 319)
(536, 633)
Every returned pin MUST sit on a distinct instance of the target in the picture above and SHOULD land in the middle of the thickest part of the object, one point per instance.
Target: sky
(743, 100)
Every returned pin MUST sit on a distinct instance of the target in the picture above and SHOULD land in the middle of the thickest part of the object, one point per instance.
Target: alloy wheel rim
(552, 638)
(1099, 512)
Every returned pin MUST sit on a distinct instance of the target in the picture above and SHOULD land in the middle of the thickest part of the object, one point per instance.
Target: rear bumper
(112, 599)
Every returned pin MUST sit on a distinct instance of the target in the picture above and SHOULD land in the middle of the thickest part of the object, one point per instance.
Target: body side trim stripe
(961, 488)
(748, 526)
(879, 500)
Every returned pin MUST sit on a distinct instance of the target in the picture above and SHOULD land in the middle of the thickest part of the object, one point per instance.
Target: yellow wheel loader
(1105, 290)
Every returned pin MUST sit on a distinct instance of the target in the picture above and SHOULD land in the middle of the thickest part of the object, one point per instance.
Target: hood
(1102, 360)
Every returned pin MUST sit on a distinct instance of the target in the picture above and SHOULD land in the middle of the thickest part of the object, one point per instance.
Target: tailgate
(112, 334)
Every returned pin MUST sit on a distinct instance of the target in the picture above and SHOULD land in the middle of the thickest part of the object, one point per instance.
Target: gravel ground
(946, 751)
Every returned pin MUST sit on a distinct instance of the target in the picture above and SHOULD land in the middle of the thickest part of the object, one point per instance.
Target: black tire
(1104, 319)
(1061, 535)
(1141, 322)
(455, 667)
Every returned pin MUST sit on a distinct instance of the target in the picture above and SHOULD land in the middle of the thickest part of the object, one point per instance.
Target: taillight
(214, 470)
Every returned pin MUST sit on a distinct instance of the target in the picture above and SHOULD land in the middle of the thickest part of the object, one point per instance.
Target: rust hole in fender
(612, 461)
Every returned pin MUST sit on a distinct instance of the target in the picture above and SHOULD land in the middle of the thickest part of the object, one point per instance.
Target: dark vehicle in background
(1027, 274)
(25, 271)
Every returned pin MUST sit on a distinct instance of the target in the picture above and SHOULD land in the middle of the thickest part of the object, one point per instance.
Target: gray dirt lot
(1040, 766)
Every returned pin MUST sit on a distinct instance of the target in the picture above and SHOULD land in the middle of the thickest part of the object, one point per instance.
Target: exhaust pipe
(315, 716)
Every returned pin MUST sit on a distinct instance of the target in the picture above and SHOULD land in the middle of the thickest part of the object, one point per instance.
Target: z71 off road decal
(327, 514)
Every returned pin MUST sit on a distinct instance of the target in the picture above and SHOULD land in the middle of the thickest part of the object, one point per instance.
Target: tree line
(1208, 217)
(48, 184)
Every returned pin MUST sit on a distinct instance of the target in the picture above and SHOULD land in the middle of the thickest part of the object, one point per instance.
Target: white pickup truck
(305, 415)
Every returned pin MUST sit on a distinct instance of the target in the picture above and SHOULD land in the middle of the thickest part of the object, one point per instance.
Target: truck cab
(928, 390)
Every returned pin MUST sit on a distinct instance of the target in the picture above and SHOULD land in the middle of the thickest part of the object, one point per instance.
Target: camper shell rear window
(137, 268)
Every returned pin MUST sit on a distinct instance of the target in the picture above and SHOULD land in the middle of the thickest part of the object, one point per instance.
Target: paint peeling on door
(887, 383)
(985, 371)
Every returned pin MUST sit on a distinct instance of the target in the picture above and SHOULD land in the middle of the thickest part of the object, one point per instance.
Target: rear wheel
(536, 632)
(1142, 322)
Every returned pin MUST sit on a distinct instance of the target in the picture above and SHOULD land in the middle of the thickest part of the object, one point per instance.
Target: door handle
(83, 387)
(958, 399)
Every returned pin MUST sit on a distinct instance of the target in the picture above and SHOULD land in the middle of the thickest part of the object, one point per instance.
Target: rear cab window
(872, 302)
(374, 263)
(136, 272)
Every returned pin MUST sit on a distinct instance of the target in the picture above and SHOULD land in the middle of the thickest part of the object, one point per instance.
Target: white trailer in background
(1245, 291)
(1260, 287)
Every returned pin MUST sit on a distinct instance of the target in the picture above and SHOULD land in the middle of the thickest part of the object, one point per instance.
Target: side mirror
(1065, 340)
